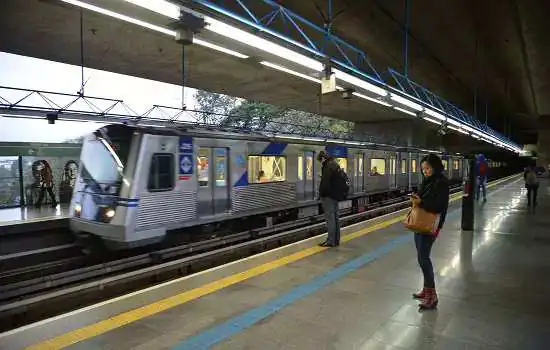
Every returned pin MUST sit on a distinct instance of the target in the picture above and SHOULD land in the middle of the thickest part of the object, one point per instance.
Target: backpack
(341, 185)
(531, 178)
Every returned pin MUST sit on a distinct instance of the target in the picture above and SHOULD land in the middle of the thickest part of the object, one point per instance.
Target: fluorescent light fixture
(218, 48)
(246, 38)
(290, 71)
(405, 111)
(406, 102)
(432, 120)
(291, 137)
(436, 115)
(348, 78)
(335, 141)
(454, 122)
(353, 143)
(315, 139)
(120, 16)
(161, 7)
(371, 99)
(453, 128)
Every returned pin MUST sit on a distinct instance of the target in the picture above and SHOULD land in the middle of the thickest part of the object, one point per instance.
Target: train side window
(377, 167)
(300, 168)
(309, 168)
(343, 163)
(220, 167)
(359, 164)
(161, 173)
(455, 164)
(413, 166)
(203, 167)
(445, 164)
(262, 169)
(403, 166)
(392, 166)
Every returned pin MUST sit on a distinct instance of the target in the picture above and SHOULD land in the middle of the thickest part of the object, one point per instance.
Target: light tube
(405, 111)
(218, 48)
(432, 120)
(291, 137)
(406, 102)
(290, 71)
(453, 128)
(371, 99)
(315, 139)
(348, 78)
(436, 115)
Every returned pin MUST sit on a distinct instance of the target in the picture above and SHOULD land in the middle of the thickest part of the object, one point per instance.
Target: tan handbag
(421, 221)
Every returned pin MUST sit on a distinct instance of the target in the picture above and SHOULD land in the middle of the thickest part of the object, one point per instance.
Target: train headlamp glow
(109, 213)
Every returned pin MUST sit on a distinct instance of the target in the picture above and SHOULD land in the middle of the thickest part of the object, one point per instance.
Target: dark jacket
(330, 167)
(434, 194)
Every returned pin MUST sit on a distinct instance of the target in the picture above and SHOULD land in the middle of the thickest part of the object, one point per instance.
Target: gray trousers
(330, 207)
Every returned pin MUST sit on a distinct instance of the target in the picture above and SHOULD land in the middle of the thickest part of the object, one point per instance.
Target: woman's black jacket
(434, 195)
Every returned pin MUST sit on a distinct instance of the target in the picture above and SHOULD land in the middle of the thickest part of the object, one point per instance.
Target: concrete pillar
(543, 142)
(409, 132)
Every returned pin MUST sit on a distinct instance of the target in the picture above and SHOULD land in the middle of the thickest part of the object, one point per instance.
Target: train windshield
(103, 160)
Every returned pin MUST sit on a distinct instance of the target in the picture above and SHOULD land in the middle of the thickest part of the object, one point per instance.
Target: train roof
(198, 130)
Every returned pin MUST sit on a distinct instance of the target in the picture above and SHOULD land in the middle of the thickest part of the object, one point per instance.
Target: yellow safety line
(127, 317)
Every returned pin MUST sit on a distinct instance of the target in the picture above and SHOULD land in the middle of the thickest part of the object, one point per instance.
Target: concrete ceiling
(511, 61)
(511, 67)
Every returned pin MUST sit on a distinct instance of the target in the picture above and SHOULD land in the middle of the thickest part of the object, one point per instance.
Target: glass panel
(392, 166)
(309, 168)
(221, 179)
(203, 168)
(10, 190)
(445, 164)
(455, 164)
(161, 174)
(413, 166)
(403, 166)
(378, 167)
(359, 165)
(343, 163)
(300, 168)
(64, 171)
(263, 169)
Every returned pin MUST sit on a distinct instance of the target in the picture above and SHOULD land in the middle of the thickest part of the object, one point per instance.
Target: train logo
(186, 166)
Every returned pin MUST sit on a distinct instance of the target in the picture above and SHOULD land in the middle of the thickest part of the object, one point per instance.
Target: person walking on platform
(481, 176)
(333, 188)
(433, 197)
(531, 184)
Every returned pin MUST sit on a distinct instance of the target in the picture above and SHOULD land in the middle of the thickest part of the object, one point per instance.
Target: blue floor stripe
(216, 334)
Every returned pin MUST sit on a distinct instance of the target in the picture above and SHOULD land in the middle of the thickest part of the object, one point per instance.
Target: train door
(305, 184)
(213, 178)
(393, 173)
(358, 173)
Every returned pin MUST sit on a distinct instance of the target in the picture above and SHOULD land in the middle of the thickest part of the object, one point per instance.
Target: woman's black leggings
(424, 245)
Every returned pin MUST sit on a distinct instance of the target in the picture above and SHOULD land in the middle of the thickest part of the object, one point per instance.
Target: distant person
(46, 184)
(482, 169)
(532, 185)
(433, 197)
(331, 190)
(374, 172)
(262, 177)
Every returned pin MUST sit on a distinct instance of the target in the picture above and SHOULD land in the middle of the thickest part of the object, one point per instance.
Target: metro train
(137, 183)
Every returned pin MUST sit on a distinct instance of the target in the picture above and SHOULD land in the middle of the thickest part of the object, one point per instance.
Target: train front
(96, 203)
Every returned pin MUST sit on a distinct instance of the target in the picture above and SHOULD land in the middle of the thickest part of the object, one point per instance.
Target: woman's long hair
(435, 162)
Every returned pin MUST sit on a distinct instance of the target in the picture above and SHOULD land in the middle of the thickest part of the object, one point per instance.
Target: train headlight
(77, 210)
(109, 213)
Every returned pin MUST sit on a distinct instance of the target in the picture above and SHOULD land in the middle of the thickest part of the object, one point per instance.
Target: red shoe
(430, 300)
(420, 295)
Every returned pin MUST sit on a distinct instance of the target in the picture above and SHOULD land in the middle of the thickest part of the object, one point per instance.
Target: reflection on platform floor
(11, 216)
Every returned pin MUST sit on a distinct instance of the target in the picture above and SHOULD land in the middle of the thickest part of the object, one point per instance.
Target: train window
(456, 164)
(403, 166)
(343, 163)
(445, 164)
(359, 164)
(413, 166)
(309, 168)
(300, 168)
(392, 166)
(377, 167)
(161, 173)
(220, 167)
(203, 167)
(263, 169)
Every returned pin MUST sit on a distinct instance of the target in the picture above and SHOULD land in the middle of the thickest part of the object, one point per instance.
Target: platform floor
(13, 216)
(493, 286)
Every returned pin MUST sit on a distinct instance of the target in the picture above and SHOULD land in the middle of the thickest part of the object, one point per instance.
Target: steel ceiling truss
(272, 18)
(37, 104)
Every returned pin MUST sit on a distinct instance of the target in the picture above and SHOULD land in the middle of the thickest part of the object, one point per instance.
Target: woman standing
(434, 198)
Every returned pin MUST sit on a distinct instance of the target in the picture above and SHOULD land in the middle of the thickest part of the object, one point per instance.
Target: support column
(543, 142)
